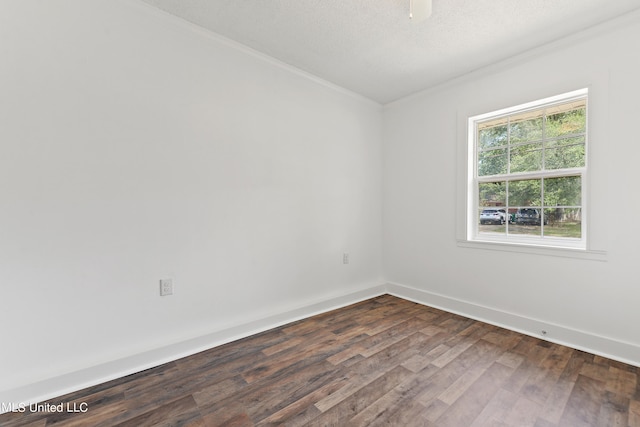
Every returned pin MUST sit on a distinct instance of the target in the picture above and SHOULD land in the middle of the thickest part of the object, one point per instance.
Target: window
(527, 172)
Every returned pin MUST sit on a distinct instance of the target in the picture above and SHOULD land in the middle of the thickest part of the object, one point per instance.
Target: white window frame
(473, 234)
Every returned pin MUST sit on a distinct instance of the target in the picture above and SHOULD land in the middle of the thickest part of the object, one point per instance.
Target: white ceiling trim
(218, 39)
(371, 47)
(609, 26)
(378, 54)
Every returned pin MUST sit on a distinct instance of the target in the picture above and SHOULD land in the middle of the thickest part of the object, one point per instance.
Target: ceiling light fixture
(419, 10)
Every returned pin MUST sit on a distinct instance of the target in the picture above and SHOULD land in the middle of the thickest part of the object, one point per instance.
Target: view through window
(529, 167)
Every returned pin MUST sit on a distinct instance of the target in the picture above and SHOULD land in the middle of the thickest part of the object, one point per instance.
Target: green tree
(493, 194)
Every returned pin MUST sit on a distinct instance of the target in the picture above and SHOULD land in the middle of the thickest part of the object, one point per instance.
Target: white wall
(587, 304)
(133, 148)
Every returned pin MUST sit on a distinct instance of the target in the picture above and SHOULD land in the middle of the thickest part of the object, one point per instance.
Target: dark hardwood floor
(384, 361)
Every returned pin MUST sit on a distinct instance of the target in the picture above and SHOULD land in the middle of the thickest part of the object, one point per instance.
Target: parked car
(493, 216)
(529, 216)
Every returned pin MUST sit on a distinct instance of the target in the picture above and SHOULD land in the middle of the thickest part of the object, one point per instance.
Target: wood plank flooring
(384, 361)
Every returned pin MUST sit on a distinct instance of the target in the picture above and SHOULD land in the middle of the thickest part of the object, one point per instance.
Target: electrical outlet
(166, 287)
(345, 258)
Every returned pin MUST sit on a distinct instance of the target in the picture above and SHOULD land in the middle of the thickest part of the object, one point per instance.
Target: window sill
(590, 255)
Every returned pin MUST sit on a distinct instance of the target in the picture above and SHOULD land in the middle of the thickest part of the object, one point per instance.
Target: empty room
(322, 213)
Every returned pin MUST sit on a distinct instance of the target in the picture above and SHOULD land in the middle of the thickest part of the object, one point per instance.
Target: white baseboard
(625, 352)
(54, 387)
(61, 385)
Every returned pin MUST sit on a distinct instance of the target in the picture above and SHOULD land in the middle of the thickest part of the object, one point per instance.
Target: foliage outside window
(529, 167)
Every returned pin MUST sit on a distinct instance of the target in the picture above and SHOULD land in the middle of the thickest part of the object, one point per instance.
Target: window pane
(524, 193)
(567, 122)
(492, 162)
(526, 158)
(564, 156)
(492, 194)
(564, 191)
(492, 215)
(492, 137)
(563, 222)
(493, 219)
(526, 128)
(527, 221)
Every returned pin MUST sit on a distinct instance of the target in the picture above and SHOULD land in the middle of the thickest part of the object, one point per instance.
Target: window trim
(586, 254)
(509, 242)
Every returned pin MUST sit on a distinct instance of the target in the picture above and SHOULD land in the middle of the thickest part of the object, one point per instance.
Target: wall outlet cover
(166, 287)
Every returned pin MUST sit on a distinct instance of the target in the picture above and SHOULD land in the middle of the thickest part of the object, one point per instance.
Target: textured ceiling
(372, 48)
